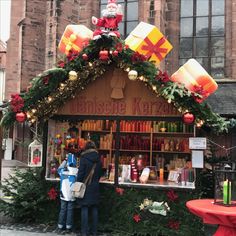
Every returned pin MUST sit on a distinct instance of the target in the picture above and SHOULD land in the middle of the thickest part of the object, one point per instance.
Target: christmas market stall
(112, 92)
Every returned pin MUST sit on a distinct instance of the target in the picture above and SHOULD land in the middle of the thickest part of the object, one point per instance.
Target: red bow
(154, 48)
(17, 102)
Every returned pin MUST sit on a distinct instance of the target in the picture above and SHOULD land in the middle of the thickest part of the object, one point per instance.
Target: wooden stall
(138, 134)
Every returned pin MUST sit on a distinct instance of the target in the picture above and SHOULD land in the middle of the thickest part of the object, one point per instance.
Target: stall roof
(223, 101)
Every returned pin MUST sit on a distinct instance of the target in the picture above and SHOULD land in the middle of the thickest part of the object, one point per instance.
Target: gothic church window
(202, 34)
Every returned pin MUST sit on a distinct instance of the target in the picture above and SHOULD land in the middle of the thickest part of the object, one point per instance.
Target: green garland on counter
(53, 88)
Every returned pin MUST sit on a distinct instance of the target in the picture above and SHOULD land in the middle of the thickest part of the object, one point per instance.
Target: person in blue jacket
(68, 173)
(91, 198)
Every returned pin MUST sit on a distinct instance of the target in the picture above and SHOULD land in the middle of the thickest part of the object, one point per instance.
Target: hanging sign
(197, 143)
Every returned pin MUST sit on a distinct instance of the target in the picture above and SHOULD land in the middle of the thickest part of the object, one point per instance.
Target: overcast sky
(5, 19)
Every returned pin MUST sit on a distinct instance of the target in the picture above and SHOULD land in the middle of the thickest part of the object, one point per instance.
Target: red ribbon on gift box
(154, 48)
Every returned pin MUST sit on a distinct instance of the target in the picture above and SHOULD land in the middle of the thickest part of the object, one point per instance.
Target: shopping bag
(78, 190)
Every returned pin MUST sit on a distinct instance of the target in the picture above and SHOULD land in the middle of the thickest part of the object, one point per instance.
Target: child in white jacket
(68, 173)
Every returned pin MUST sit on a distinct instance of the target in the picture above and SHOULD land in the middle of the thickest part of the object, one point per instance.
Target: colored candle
(227, 192)
(161, 175)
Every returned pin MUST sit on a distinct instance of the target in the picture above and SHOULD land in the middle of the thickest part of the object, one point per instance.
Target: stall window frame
(73, 118)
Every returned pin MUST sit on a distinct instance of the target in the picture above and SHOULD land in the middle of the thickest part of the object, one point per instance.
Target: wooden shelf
(138, 150)
(173, 133)
(102, 149)
(156, 151)
(135, 132)
(96, 131)
(133, 150)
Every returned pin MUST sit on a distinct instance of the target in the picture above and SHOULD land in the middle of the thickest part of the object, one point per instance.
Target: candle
(161, 175)
(227, 192)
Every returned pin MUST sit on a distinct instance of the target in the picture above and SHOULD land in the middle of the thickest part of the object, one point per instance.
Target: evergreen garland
(51, 89)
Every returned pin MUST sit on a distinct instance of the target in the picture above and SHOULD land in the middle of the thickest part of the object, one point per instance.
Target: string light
(223, 147)
(199, 123)
(62, 85)
(28, 115)
(33, 120)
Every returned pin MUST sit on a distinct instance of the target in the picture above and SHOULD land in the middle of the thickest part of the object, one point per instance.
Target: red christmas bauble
(188, 118)
(103, 55)
(115, 53)
(20, 117)
(85, 56)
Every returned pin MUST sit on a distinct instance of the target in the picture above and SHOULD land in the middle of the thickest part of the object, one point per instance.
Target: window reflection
(202, 33)
(186, 8)
(186, 27)
(217, 47)
(202, 26)
(186, 45)
(218, 25)
(202, 8)
(132, 11)
(218, 7)
(217, 65)
(201, 47)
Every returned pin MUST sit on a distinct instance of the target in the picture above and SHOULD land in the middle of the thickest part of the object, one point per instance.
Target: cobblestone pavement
(15, 229)
(5, 232)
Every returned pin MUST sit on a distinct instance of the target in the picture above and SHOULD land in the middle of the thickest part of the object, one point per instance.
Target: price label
(197, 143)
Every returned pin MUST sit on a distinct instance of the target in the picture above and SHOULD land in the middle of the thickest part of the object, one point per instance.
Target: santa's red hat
(111, 3)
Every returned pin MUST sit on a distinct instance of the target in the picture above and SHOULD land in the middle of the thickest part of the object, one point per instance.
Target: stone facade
(26, 46)
(3, 51)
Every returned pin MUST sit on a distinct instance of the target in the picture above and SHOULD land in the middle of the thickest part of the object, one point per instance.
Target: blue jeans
(66, 214)
(84, 219)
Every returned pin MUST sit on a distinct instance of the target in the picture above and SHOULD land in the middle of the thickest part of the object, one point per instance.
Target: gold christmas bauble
(73, 75)
(133, 74)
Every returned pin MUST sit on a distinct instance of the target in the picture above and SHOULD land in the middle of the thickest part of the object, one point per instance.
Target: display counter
(164, 184)
(158, 185)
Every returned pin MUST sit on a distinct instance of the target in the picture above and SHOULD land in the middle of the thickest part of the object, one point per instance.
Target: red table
(211, 213)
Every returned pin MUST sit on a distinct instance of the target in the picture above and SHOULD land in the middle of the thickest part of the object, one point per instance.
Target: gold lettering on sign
(96, 106)
(136, 106)
(151, 108)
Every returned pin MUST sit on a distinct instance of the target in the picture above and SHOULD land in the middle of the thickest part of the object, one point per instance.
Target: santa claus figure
(111, 17)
